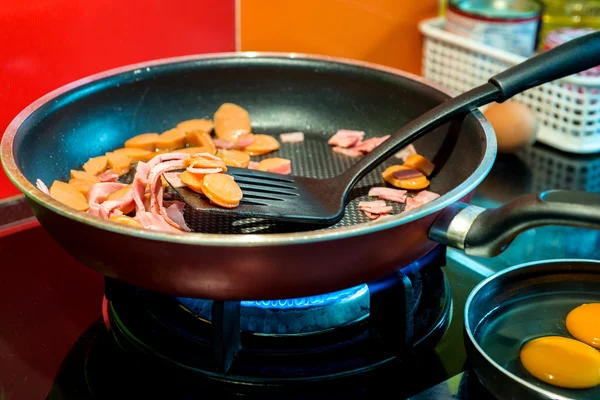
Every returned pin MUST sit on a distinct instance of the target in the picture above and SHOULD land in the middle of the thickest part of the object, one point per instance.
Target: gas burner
(294, 316)
(276, 342)
(308, 314)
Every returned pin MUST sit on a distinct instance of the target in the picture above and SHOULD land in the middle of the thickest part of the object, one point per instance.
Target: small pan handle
(487, 232)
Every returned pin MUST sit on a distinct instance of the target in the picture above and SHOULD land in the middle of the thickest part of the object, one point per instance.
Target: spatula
(322, 201)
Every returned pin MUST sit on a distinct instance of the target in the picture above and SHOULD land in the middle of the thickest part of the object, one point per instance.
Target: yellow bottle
(569, 14)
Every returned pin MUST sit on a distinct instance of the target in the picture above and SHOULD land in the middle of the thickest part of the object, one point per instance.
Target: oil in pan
(510, 25)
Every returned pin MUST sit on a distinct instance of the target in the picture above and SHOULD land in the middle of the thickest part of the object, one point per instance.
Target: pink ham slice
(244, 140)
(373, 209)
(422, 198)
(292, 137)
(405, 152)
(204, 171)
(98, 194)
(108, 176)
(156, 188)
(346, 138)
(173, 215)
(174, 179)
(42, 186)
(347, 152)
(168, 157)
(371, 215)
(369, 145)
(138, 187)
(222, 143)
(111, 207)
(253, 165)
(155, 222)
(395, 195)
(370, 204)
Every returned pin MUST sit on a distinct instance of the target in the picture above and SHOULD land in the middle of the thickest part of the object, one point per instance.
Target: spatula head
(278, 197)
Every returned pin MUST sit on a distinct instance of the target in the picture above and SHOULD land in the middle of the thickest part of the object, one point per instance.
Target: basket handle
(574, 56)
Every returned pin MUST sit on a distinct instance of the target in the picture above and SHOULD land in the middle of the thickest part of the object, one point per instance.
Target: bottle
(569, 14)
(442, 5)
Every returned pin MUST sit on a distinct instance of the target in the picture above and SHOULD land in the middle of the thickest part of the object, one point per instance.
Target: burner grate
(308, 314)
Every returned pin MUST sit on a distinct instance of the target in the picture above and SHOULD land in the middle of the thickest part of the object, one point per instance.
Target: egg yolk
(562, 362)
(583, 323)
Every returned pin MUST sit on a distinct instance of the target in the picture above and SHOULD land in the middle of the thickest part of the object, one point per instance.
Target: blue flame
(302, 302)
(305, 314)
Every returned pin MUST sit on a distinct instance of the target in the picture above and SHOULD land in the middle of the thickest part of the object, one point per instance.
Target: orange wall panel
(380, 31)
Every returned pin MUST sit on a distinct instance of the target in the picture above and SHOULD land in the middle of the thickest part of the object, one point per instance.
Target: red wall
(47, 43)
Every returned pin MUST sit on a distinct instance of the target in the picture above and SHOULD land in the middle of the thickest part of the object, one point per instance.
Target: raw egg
(562, 362)
(583, 323)
(515, 125)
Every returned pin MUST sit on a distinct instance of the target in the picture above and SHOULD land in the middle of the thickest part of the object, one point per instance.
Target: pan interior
(281, 95)
(526, 307)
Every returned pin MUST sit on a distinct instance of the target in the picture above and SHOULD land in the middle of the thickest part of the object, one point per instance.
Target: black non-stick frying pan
(518, 304)
(229, 258)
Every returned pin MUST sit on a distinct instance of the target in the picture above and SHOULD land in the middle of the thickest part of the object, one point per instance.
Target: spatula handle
(570, 58)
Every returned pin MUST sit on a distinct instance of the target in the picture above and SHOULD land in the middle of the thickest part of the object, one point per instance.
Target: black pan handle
(574, 56)
(487, 232)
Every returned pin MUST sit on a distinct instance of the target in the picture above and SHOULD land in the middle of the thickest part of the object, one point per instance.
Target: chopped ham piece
(346, 138)
(422, 198)
(222, 143)
(179, 204)
(111, 207)
(98, 194)
(293, 137)
(426, 196)
(347, 152)
(369, 145)
(156, 188)
(108, 176)
(204, 171)
(395, 195)
(244, 140)
(174, 179)
(168, 157)
(155, 222)
(205, 155)
(376, 203)
(42, 186)
(253, 165)
(138, 187)
(405, 152)
(371, 215)
(372, 208)
(173, 215)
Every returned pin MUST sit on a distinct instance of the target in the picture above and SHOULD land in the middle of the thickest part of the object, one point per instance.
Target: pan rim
(246, 240)
(471, 333)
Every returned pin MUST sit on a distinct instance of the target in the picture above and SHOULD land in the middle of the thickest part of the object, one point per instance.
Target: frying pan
(234, 259)
(518, 304)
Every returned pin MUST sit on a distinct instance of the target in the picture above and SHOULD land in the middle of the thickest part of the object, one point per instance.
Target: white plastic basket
(568, 109)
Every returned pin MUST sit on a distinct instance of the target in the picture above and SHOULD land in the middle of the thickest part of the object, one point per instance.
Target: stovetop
(50, 313)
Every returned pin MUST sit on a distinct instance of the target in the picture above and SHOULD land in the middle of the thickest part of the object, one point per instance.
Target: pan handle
(487, 232)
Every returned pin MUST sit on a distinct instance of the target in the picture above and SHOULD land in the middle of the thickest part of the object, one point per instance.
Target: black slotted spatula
(322, 201)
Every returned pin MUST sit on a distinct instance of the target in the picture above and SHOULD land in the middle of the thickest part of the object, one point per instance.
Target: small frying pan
(519, 304)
